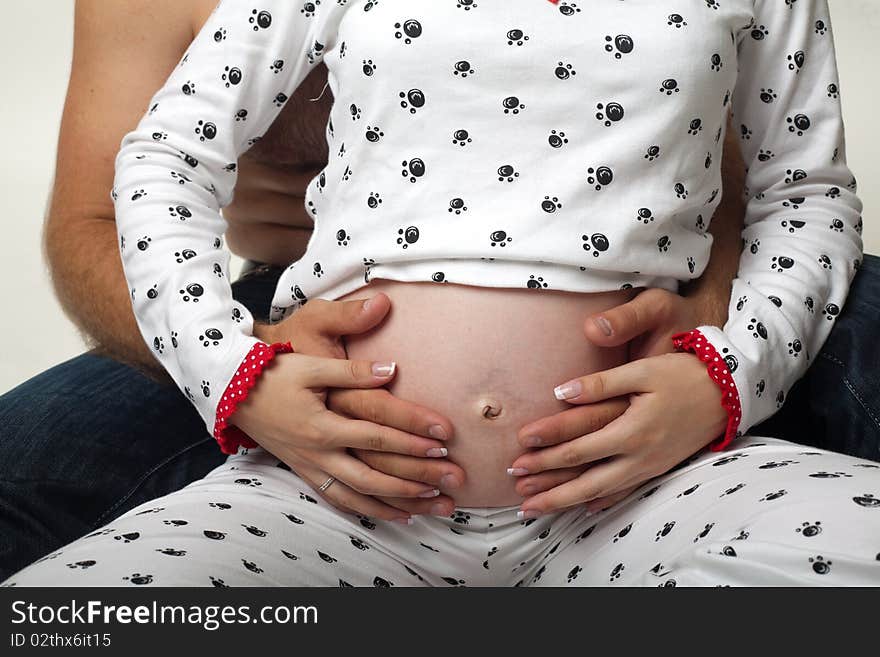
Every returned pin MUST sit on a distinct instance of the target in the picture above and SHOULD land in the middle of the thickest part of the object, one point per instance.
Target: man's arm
(117, 67)
(123, 52)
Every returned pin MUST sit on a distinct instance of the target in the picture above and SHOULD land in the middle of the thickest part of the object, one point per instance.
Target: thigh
(767, 513)
(248, 523)
(836, 405)
(92, 438)
(85, 441)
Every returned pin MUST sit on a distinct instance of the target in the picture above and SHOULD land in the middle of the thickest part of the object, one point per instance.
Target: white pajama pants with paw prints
(766, 513)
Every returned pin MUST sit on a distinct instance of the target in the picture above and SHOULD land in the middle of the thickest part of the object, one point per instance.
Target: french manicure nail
(604, 325)
(434, 492)
(384, 370)
(568, 390)
(437, 431)
(449, 481)
(517, 472)
(404, 521)
(437, 452)
(528, 514)
(533, 441)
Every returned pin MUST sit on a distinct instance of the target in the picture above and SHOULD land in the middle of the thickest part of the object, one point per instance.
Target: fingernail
(437, 452)
(449, 481)
(604, 325)
(533, 441)
(568, 390)
(367, 303)
(439, 510)
(404, 521)
(517, 472)
(528, 514)
(434, 492)
(384, 370)
(438, 432)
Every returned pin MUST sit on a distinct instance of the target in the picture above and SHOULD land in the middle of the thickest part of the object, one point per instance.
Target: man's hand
(648, 322)
(317, 329)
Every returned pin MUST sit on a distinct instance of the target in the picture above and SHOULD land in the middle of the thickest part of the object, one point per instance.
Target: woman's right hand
(287, 414)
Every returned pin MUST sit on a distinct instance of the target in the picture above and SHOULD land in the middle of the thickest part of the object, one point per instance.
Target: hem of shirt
(492, 274)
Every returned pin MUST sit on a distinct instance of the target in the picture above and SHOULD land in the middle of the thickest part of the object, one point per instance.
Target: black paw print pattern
(457, 206)
(557, 139)
(609, 113)
(412, 100)
(619, 45)
(492, 129)
(461, 138)
(600, 177)
(536, 283)
(596, 244)
(408, 31)
(463, 69)
(512, 105)
(551, 204)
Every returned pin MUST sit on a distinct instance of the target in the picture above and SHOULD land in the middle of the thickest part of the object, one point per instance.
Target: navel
(490, 408)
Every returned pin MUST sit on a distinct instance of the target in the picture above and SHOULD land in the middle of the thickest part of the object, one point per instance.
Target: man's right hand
(312, 409)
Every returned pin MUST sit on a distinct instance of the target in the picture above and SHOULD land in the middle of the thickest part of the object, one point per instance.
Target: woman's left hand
(674, 411)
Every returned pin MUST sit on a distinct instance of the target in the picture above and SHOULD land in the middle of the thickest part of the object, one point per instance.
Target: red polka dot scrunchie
(230, 437)
(696, 343)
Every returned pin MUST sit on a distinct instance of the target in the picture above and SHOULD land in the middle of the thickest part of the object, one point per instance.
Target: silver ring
(327, 484)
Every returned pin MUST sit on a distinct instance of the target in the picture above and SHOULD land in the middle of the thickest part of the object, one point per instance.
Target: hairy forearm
(86, 272)
(88, 279)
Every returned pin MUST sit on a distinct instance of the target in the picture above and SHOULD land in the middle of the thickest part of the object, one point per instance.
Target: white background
(35, 47)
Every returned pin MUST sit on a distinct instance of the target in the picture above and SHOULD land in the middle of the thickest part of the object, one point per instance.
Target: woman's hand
(646, 323)
(290, 413)
(674, 411)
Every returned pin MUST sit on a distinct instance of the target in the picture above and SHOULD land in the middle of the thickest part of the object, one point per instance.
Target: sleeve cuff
(696, 343)
(228, 436)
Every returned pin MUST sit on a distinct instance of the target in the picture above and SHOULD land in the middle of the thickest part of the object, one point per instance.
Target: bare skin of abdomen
(488, 359)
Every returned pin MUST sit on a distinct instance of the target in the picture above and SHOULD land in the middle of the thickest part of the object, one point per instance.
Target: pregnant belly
(488, 359)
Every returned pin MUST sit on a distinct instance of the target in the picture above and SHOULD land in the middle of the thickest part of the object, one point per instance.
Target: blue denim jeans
(90, 439)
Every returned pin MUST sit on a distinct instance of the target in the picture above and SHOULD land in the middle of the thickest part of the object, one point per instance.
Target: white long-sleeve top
(504, 143)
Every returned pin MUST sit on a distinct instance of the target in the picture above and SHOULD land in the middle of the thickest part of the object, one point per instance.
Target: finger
(378, 405)
(598, 481)
(441, 506)
(442, 473)
(364, 479)
(334, 431)
(338, 318)
(625, 379)
(347, 500)
(571, 423)
(307, 341)
(538, 483)
(622, 323)
(578, 451)
(318, 372)
(602, 503)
